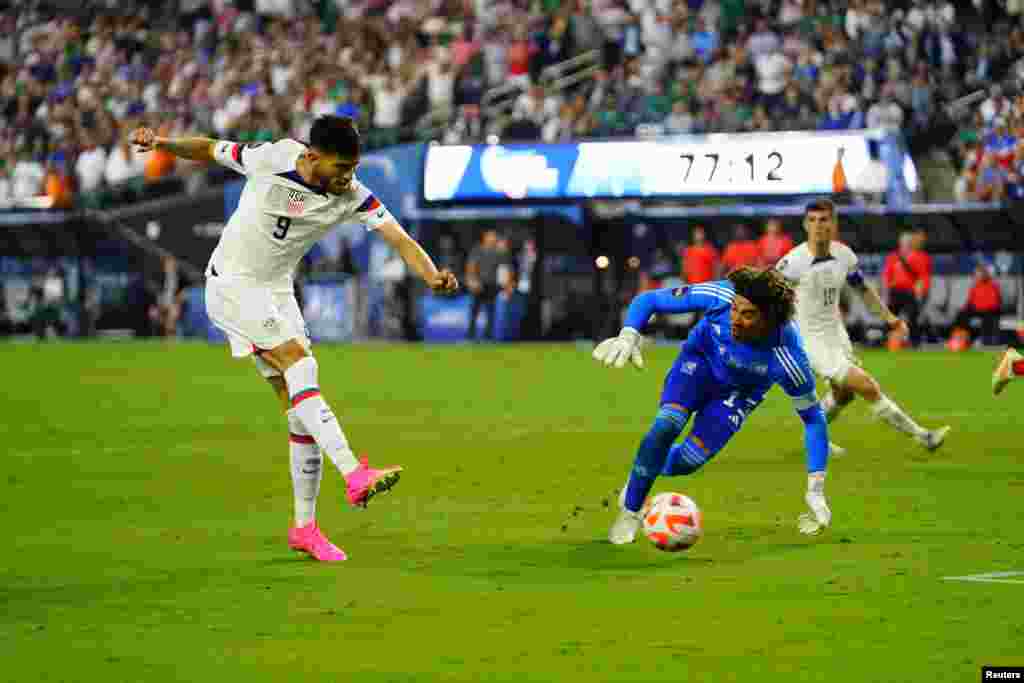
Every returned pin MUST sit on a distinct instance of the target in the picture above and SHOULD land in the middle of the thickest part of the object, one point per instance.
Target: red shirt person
(742, 251)
(984, 302)
(774, 243)
(700, 259)
(907, 276)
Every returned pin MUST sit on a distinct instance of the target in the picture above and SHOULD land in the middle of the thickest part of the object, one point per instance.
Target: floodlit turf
(144, 497)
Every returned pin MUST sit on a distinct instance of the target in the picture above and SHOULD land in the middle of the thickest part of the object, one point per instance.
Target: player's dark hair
(335, 135)
(767, 289)
(821, 205)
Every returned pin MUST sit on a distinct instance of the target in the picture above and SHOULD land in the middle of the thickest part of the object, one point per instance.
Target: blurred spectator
(123, 164)
(907, 278)
(662, 266)
(57, 184)
(700, 258)
(536, 106)
(773, 69)
(741, 251)
(91, 164)
(984, 302)
(482, 281)
(6, 189)
(989, 181)
(48, 297)
(165, 312)
(527, 262)
(886, 113)
(774, 243)
(681, 121)
(28, 177)
(508, 279)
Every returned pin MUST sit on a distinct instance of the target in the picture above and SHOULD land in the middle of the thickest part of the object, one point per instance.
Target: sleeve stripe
(721, 293)
(794, 364)
(711, 294)
(799, 368)
(236, 153)
(716, 288)
(788, 366)
(369, 204)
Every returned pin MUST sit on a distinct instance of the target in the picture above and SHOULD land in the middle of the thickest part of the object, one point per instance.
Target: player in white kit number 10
(294, 194)
(819, 268)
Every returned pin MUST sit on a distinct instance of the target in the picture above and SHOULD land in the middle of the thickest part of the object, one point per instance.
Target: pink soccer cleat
(365, 482)
(310, 539)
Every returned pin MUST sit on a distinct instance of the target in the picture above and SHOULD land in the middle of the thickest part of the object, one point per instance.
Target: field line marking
(990, 577)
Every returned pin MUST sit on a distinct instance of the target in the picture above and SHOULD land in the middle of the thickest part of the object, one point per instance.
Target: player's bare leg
(832, 404)
(300, 375)
(836, 399)
(865, 386)
(307, 471)
(1011, 365)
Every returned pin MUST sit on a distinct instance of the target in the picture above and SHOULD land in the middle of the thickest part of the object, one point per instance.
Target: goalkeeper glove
(617, 350)
(820, 516)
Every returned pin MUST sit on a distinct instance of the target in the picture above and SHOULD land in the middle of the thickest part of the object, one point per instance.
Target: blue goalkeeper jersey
(751, 368)
(779, 359)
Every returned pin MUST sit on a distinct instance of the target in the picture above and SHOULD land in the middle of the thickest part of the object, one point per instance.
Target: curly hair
(768, 290)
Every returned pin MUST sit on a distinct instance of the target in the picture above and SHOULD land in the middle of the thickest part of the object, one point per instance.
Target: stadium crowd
(258, 69)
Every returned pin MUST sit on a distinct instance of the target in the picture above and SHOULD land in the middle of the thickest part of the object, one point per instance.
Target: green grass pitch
(146, 496)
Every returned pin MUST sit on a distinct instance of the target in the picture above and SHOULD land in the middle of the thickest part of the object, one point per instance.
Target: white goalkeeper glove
(820, 516)
(616, 351)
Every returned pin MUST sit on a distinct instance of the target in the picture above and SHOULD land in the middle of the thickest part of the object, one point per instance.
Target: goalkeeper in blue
(745, 342)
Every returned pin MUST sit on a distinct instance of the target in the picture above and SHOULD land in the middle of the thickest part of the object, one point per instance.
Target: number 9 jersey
(818, 283)
(279, 216)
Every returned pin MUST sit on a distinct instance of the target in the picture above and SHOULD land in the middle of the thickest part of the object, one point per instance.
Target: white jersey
(279, 216)
(818, 283)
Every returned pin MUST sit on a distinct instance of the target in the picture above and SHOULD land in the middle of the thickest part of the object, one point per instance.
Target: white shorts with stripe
(831, 355)
(254, 316)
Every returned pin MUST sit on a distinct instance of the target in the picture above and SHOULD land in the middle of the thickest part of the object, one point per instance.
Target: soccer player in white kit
(294, 194)
(819, 268)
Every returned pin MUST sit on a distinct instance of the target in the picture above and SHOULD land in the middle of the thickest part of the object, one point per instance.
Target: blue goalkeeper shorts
(718, 410)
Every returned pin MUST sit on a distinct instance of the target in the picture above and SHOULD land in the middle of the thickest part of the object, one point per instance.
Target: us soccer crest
(296, 203)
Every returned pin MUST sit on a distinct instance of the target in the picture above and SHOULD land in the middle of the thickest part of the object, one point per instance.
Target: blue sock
(684, 458)
(651, 456)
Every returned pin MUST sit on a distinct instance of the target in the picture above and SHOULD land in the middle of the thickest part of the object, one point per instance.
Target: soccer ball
(672, 522)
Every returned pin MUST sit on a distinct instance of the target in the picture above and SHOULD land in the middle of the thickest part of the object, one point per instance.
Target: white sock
(831, 407)
(307, 470)
(890, 413)
(316, 416)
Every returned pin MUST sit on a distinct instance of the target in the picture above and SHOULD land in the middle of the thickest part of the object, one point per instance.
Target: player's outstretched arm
(679, 300)
(873, 300)
(441, 281)
(616, 351)
(197, 148)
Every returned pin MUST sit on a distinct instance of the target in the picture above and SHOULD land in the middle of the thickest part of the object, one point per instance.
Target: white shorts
(254, 317)
(831, 356)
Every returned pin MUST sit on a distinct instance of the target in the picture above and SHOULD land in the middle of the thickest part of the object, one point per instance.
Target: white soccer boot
(934, 438)
(835, 450)
(624, 529)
